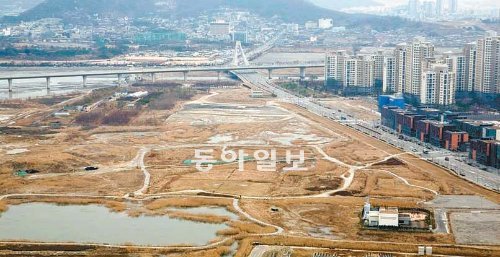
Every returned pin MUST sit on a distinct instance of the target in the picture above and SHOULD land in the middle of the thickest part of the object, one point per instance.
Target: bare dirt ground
(362, 108)
(476, 227)
(342, 166)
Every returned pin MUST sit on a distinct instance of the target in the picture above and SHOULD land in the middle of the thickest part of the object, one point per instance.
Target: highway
(454, 162)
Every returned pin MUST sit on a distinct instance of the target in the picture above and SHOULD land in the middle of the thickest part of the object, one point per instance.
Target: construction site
(133, 151)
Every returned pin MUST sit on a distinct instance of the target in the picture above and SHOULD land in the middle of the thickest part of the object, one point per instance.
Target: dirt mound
(324, 184)
(391, 162)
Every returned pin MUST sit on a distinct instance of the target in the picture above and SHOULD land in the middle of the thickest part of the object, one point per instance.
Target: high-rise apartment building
(487, 64)
(417, 52)
(438, 85)
(453, 6)
(334, 69)
(413, 70)
(459, 67)
(413, 6)
(439, 8)
(401, 55)
(349, 73)
(378, 73)
(470, 53)
(389, 75)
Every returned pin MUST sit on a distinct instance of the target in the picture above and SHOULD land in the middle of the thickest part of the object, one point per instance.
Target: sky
(462, 3)
(468, 3)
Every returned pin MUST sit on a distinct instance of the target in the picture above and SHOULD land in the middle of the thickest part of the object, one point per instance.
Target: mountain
(24, 4)
(297, 11)
(10, 7)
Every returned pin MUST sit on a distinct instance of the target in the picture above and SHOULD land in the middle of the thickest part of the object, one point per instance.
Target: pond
(43, 222)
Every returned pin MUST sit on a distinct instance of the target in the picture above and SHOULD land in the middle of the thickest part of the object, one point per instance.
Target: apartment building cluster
(453, 131)
(353, 73)
(415, 70)
(431, 9)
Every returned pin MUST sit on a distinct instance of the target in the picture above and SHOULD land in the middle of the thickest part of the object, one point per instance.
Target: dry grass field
(312, 208)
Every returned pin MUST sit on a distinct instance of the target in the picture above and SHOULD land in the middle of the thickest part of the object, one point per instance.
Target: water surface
(96, 224)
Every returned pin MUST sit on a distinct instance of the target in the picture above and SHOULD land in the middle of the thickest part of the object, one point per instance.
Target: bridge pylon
(238, 49)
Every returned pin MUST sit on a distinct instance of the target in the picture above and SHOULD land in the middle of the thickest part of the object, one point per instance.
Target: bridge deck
(169, 70)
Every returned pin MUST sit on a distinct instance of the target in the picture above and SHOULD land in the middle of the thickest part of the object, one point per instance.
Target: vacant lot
(342, 166)
(476, 227)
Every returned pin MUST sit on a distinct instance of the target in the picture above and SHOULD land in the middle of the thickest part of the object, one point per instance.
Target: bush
(119, 117)
(89, 118)
(165, 102)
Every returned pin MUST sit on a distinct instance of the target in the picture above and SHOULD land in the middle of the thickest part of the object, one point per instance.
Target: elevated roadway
(152, 72)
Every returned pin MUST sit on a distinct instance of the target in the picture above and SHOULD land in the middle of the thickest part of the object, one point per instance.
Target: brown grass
(204, 218)
(115, 206)
(228, 232)
(250, 228)
(246, 246)
(217, 252)
(365, 145)
(187, 202)
(3, 206)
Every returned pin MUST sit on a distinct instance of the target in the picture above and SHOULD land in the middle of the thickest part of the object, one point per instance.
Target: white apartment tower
(334, 68)
(401, 55)
(460, 70)
(413, 6)
(378, 73)
(453, 6)
(439, 8)
(417, 52)
(438, 85)
(470, 53)
(359, 72)
(488, 64)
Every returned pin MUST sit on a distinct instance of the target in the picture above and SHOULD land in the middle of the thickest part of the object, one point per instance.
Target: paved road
(441, 219)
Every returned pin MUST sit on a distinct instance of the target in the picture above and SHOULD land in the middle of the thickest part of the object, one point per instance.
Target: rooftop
(388, 210)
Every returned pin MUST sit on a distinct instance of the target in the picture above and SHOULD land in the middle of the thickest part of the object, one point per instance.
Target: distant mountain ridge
(297, 11)
(343, 4)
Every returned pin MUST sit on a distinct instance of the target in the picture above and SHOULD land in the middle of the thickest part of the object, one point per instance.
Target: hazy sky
(492, 3)
(335, 4)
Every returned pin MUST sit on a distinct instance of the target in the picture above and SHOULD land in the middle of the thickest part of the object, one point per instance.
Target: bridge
(153, 72)
(234, 66)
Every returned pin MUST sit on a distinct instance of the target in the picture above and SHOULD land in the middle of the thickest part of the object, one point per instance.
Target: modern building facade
(350, 74)
(487, 67)
(417, 52)
(437, 86)
(414, 70)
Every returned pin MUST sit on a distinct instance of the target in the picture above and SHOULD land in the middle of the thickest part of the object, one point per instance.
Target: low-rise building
(388, 217)
(475, 129)
(423, 130)
(409, 125)
(485, 152)
(436, 132)
(456, 140)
